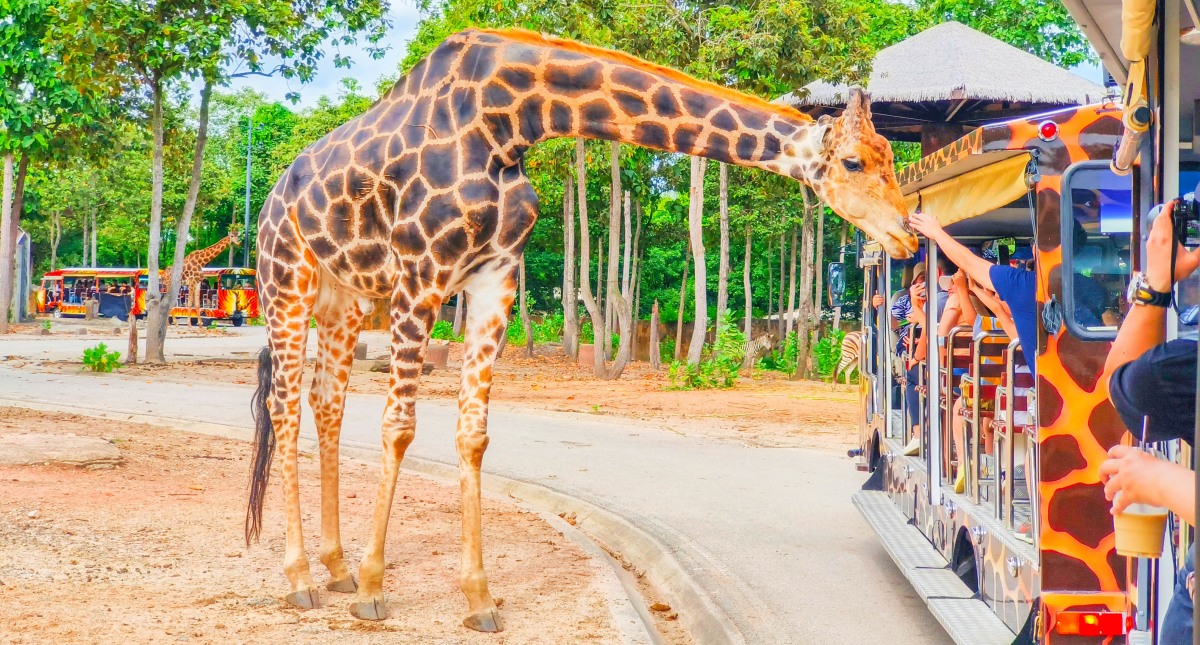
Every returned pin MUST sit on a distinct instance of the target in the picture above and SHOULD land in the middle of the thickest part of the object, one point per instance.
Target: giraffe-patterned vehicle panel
(1075, 565)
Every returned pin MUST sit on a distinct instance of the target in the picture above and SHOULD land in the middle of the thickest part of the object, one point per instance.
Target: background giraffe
(193, 267)
(424, 196)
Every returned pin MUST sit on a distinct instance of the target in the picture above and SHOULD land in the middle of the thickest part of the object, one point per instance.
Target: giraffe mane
(615, 56)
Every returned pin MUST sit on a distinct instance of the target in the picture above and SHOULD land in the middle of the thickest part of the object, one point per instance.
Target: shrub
(828, 351)
(444, 330)
(718, 366)
(46, 325)
(784, 358)
(99, 359)
(550, 330)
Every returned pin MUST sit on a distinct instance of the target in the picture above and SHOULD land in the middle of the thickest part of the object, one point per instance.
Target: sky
(328, 79)
(404, 17)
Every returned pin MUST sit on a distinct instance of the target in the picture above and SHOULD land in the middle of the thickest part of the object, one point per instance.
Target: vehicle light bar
(1093, 623)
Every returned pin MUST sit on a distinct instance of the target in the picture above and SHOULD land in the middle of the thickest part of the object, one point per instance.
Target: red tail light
(1048, 131)
(1093, 623)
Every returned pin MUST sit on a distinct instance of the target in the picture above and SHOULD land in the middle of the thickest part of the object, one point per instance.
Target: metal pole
(1195, 551)
(246, 220)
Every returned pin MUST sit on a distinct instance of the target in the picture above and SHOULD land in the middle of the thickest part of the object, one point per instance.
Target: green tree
(154, 45)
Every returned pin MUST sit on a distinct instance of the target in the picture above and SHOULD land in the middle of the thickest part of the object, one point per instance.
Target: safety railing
(956, 365)
(1014, 419)
(987, 369)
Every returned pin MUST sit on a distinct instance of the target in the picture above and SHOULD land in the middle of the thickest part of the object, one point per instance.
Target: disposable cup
(1140, 530)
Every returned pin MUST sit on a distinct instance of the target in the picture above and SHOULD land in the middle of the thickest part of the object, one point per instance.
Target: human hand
(925, 224)
(1138, 476)
(917, 291)
(1158, 253)
(876, 301)
(959, 280)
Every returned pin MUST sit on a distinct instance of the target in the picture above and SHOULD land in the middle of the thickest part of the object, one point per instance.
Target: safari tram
(1008, 537)
(225, 294)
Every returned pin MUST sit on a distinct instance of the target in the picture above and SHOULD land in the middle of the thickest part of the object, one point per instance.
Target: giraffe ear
(822, 133)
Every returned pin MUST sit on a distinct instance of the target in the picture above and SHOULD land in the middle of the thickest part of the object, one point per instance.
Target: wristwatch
(1140, 293)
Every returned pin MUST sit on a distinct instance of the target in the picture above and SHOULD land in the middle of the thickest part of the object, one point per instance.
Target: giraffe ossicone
(424, 196)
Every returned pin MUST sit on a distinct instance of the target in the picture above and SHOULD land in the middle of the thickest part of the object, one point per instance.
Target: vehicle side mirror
(836, 279)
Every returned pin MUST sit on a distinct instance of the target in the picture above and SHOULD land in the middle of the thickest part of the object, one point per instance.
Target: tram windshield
(1097, 227)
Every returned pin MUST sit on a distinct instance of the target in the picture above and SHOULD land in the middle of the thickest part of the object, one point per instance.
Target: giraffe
(424, 196)
(193, 267)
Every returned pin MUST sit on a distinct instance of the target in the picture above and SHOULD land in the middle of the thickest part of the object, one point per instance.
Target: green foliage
(46, 325)
(828, 351)
(718, 368)
(666, 351)
(782, 359)
(549, 330)
(444, 330)
(99, 359)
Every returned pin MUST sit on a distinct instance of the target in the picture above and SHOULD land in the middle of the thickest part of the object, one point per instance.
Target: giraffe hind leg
(489, 299)
(287, 311)
(339, 319)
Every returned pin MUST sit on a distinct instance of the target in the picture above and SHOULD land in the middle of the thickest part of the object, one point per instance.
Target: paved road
(770, 533)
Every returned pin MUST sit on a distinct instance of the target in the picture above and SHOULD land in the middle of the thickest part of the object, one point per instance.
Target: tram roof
(1100, 21)
(977, 186)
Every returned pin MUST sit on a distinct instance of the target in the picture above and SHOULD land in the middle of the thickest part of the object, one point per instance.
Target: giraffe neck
(528, 88)
(204, 256)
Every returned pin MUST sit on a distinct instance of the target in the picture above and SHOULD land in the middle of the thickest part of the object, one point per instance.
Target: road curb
(593, 526)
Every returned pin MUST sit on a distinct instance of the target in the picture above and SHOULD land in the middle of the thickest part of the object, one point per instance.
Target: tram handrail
(976, 394)
(947, 390)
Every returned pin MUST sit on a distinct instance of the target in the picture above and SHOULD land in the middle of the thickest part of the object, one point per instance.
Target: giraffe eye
(852, 165)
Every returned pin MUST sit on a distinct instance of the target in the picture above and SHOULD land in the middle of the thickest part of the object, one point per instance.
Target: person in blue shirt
(1016, 287)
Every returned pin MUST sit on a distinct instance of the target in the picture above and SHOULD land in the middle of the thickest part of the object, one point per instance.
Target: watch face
(1136, 283)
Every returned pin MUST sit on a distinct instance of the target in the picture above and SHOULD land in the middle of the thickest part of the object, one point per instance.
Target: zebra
(851, 346)
(753, 349)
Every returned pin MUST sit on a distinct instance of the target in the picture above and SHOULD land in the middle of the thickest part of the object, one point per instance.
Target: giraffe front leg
(489, 299)
(339, 320)
(410, 335)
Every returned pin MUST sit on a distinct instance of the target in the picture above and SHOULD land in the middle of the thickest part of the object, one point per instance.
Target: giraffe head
(854, 174)
(235, 235)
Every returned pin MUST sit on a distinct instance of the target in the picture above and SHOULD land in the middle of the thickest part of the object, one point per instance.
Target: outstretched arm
(976, 267)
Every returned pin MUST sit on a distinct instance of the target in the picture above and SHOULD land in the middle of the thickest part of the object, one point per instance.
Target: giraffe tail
(264, 448)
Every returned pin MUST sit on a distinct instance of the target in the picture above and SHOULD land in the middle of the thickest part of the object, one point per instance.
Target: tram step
(966, 619)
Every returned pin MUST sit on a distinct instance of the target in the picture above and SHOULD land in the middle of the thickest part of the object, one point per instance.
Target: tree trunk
(95, 239)
(570, 300)
(458, 315)
(524, 307)
(746, 286)
(602, 345)
(819, 267)
(723, 271)
(56, 238)
(791, 289)
(627, 259)
(687, 260)
(8, 244)
(779, 313)
(636, 302)
(837, 311)
(156, 321)
(770, 285)
(589, 300)
(86, 248)
(618, 300)
(696, 232)
(804, 323)
(655, 350)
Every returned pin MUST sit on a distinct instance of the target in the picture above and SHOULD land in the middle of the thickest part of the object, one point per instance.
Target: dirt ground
(765, 409)
(151, 551)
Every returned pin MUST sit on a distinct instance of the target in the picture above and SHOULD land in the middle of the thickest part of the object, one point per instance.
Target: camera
(1185, 219)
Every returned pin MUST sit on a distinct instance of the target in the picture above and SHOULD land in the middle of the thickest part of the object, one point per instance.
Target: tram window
(1097, 220)
(236, 281)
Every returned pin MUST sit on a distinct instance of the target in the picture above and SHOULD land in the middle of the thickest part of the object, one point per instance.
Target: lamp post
(246, 219)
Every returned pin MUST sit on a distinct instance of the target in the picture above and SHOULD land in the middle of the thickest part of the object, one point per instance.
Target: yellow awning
(1137, 25)
(973, 193)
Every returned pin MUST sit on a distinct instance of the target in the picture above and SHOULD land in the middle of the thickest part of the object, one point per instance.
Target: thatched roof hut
(949, 79)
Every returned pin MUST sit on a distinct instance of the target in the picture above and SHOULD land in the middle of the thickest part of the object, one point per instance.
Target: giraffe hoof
(345, 585)
(486, 620)
(304, 599)
(373, 610)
